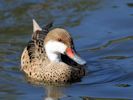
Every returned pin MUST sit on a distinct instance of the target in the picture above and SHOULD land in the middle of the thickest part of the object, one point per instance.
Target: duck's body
(41, 59)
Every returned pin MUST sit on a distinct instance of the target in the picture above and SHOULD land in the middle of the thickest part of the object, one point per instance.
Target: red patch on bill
(70, 52)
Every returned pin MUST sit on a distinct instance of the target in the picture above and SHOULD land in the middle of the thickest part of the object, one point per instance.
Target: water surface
(103, 34)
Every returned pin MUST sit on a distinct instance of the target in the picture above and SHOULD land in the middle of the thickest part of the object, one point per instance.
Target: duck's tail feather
(40, 35)
(48, 26)
(35, 46)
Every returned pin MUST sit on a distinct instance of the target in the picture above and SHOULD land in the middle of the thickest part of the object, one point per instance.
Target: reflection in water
(18, 17)
(57, 93)
(8, 92)
(116, 57)
(53, 93)
(110, 42)
(130, 4)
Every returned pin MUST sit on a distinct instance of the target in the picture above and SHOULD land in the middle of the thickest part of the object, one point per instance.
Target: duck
(50, 56)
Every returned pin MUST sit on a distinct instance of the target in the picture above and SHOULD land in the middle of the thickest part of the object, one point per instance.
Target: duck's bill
(71, 54)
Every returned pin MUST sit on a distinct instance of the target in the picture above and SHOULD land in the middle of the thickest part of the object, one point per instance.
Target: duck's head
(58, 41)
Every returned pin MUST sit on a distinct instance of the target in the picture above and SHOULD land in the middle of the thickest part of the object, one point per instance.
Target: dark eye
(59, 40)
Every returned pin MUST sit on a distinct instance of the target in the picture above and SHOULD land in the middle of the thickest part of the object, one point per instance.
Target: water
(104, 30)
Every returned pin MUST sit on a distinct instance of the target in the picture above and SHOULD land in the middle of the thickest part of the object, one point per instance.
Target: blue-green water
(103, 34)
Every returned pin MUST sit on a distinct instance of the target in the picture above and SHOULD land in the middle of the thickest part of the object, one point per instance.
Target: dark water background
(103, 35)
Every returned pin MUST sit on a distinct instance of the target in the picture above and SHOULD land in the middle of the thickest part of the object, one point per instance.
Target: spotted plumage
(42, 60)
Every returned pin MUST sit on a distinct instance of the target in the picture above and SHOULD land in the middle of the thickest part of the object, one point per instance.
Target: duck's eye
(59, 40)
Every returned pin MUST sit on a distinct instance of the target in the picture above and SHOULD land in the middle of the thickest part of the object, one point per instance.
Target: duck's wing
(35, 49)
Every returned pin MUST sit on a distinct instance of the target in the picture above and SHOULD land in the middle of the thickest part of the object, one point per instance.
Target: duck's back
(33, 58)
(34, 55)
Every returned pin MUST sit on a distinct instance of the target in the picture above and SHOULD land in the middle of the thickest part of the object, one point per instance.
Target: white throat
(54, 49)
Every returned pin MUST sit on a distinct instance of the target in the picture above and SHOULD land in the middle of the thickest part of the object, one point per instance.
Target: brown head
(60, 35)
(58, 41)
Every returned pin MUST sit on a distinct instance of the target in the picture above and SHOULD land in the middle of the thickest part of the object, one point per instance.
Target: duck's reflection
(53, 93)
(56, 91)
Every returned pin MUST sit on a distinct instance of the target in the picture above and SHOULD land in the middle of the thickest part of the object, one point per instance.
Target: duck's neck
(53, 57)
(54, 49)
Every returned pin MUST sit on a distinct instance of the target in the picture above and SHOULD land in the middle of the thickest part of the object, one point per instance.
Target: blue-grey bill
(79, 60)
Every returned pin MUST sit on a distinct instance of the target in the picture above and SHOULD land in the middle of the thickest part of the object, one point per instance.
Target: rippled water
(104, 30)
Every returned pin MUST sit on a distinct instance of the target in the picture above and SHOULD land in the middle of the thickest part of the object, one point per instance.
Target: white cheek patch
(55, 47)
(53, 50)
